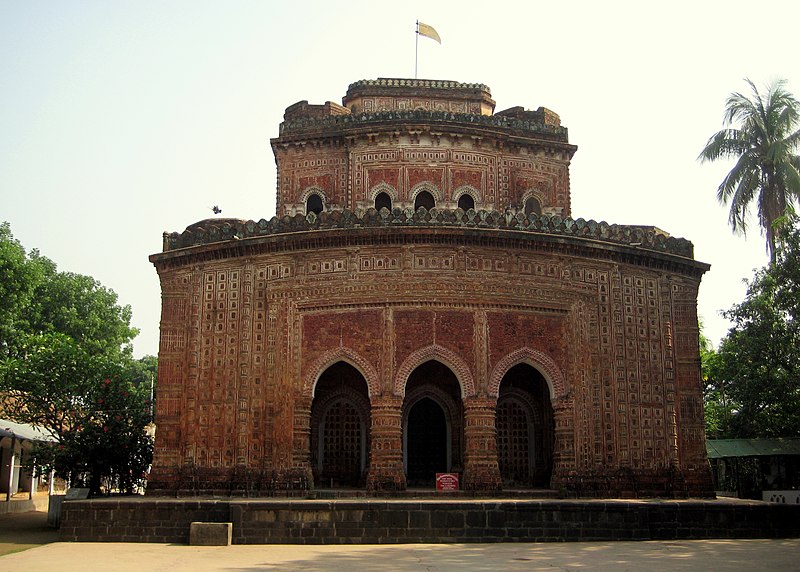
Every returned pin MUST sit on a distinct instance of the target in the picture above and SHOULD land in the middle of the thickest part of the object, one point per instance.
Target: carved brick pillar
(301, 445)
(564, 444)
(386, 445)
(481, 471)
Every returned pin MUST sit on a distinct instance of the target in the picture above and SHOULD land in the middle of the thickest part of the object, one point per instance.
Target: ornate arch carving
(313, 191)
(383, 188)
(533, 194)
(440, 354)
(467, 190)
(348, 356)
(427, 186)
(540, 360)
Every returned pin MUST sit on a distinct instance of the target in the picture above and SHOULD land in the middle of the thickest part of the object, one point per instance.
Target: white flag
(428, 32)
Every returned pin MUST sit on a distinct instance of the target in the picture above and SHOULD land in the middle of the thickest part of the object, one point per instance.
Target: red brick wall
(241, 337)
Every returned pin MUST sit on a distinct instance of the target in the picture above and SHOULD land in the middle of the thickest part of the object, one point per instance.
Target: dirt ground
(20, 531)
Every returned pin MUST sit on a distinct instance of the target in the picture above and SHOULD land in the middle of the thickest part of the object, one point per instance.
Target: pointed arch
(467, 190)
(539, 360)
(348, 356)
(383, 188)
(429, 187)
(308, 191)
(532, 202)
(440, 354)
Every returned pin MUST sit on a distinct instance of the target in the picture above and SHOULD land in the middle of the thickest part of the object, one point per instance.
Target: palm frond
(761, 132)
(724, 143)
(742, 194)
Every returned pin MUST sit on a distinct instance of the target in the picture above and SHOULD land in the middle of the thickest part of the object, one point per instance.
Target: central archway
(426, 442)
(433, 424)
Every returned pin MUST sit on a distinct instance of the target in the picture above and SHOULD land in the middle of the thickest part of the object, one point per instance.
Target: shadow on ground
(20, 531)
(717, 555)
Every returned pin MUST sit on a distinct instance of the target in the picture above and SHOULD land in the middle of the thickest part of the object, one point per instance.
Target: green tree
(761, 134)
(66, 366)
(35, 298)
(19, 278)
(717, 403)
(754, 379)
(92, 404)
(83, 309)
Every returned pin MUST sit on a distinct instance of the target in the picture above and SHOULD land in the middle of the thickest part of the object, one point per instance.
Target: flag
(428, 32)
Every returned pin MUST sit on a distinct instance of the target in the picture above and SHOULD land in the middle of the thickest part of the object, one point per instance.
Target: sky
(121, 120)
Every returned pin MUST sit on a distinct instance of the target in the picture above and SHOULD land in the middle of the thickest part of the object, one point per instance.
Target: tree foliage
(761, 134)
(35, 298)
(91, 403)
(753, 380)
(19, 277)
(66, 365)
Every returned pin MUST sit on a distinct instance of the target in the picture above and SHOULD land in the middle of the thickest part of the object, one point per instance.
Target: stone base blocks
(210, 533)
(382, 521)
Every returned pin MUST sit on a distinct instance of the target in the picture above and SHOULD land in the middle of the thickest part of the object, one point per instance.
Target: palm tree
(767, 169)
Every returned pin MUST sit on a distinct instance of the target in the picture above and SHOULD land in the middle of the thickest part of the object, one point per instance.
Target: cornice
(210, 240)
(507, 128)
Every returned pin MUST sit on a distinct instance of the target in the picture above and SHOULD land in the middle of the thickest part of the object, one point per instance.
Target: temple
(423, 302)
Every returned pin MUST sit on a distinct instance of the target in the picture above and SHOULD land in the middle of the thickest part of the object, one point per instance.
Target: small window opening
(466, 202)
(424, 199)
(314, 204)
(532, 206)
(383, 200)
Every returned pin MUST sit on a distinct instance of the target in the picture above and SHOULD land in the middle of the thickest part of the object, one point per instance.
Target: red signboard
(446, 481)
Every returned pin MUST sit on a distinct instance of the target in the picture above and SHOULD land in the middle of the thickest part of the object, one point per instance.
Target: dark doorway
(427, 442)
(525, 428)
(514, 443)
(340, 420)
(342, 437)
(424, 199)
(433, 424)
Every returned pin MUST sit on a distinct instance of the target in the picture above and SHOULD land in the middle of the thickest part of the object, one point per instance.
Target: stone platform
(426, 520)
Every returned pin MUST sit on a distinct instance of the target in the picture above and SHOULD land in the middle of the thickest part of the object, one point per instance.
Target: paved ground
(18, 532)
(24, 530)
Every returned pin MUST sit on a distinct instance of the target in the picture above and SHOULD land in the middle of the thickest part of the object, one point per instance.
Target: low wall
(38, 503)
(411, 521)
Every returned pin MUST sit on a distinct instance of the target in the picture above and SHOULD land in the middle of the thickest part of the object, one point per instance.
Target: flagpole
(416, 50)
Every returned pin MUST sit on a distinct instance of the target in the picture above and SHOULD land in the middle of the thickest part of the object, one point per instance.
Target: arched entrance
(525, 428)
(427, 441)
(433, 426)
(340, 427)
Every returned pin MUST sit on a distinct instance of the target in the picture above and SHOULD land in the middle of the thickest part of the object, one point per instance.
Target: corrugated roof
(25, 431)
(719, 448)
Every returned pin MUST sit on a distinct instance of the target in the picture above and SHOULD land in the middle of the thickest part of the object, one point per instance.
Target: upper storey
(370, 96)
(407, 143)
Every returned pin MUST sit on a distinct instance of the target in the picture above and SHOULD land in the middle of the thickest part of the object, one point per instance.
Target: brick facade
(294, 351)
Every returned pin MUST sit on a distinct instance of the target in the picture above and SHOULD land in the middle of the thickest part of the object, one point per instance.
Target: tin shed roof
(720, 448)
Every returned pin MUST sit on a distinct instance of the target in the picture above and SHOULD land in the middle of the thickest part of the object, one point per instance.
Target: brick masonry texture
(293, 351)
(428, 521)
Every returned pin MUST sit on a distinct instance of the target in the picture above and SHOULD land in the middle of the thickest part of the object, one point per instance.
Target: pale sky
(121, 120)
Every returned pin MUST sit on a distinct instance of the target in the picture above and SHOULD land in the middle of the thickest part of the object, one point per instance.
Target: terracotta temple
(424, 302)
